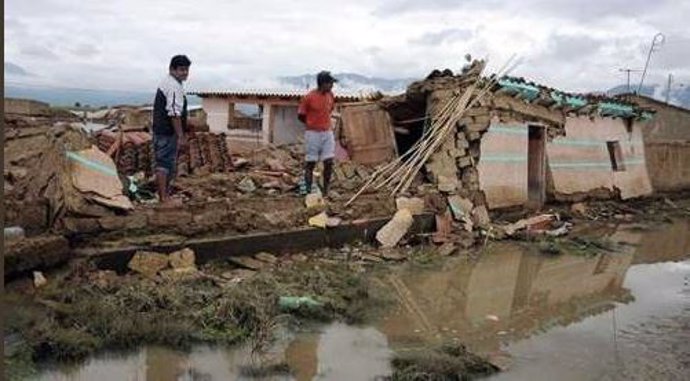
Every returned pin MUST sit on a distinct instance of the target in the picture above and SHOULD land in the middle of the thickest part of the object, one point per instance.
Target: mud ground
(83, 310)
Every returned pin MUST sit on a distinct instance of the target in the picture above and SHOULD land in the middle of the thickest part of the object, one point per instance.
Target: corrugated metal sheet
(268, 93)
(368, 133)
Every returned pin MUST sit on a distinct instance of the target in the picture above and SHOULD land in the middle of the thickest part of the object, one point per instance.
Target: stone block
(414, 204)
(391, 233)
(183, 258)
(464, 161)
(148, 263)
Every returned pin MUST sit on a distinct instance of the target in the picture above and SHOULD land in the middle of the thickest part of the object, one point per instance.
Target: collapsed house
(523, 143)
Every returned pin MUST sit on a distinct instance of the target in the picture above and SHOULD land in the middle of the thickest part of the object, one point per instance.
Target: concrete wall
(503, 164)
(668, 164)
(217, 113)
(580, 162)
(669, 123)
(667, 145)
(26, 107)
(287, 129)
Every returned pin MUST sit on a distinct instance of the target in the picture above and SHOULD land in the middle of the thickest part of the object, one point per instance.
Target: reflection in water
(509, 296)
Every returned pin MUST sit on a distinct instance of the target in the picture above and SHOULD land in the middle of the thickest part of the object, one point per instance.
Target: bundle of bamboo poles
(400, 173)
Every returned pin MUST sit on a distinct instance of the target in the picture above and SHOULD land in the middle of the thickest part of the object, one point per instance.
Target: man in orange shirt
(315, 112)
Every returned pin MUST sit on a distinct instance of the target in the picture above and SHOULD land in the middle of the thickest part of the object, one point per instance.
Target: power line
(627, 72)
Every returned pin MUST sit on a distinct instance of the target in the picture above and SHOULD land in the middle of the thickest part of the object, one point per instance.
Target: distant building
(274, 120)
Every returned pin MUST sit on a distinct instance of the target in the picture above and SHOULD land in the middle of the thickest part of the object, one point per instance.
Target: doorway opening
(536, 166)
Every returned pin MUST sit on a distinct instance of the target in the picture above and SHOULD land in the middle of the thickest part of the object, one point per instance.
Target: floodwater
(613, 316)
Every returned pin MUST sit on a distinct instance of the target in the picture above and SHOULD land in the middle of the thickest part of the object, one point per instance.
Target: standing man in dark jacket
(170, 124)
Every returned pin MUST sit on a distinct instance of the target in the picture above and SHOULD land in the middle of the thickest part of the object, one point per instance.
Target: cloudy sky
(127, 44)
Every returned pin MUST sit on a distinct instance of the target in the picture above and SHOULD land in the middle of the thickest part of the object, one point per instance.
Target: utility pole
(627, 71)
(657, 41)
(668, 87)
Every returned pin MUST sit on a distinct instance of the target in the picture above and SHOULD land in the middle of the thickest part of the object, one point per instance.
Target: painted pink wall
(580, 161)
(503, 164)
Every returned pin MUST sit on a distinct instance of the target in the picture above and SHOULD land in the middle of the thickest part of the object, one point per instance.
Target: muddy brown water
(616, 315)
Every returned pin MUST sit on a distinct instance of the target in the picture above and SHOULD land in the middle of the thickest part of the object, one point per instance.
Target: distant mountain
(352, 82)
(348, 82)
(95, 98)
(679, 96)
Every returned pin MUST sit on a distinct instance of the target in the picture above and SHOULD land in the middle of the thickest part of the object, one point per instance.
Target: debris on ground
(266, 257)
(182, 259)
(320, 220)
(414, 204)
(391, 233)
(290, 303)
(148, 263)
(39, 279)
(246, 185)
(443, 362)
(532, 224)
(314, 200)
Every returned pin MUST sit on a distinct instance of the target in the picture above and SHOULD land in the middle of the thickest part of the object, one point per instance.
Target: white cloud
(126, 44)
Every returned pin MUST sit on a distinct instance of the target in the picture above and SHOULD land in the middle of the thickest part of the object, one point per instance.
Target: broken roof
(604, 105)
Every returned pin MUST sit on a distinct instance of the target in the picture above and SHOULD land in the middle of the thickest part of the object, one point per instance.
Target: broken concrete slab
(267, 257)
(540, 222)
(39, 279)
(184, 258)
(320, 220)
(391, 233)
(461, 207)
(248, 263)
(148, 263)
(414, 204)
(238, 275)
(246, 185)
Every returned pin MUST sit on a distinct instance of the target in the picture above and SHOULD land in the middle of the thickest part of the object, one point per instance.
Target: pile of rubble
(133, 152)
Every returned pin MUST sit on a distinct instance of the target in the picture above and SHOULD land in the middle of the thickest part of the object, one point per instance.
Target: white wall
(287, 128)
(217, 111)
